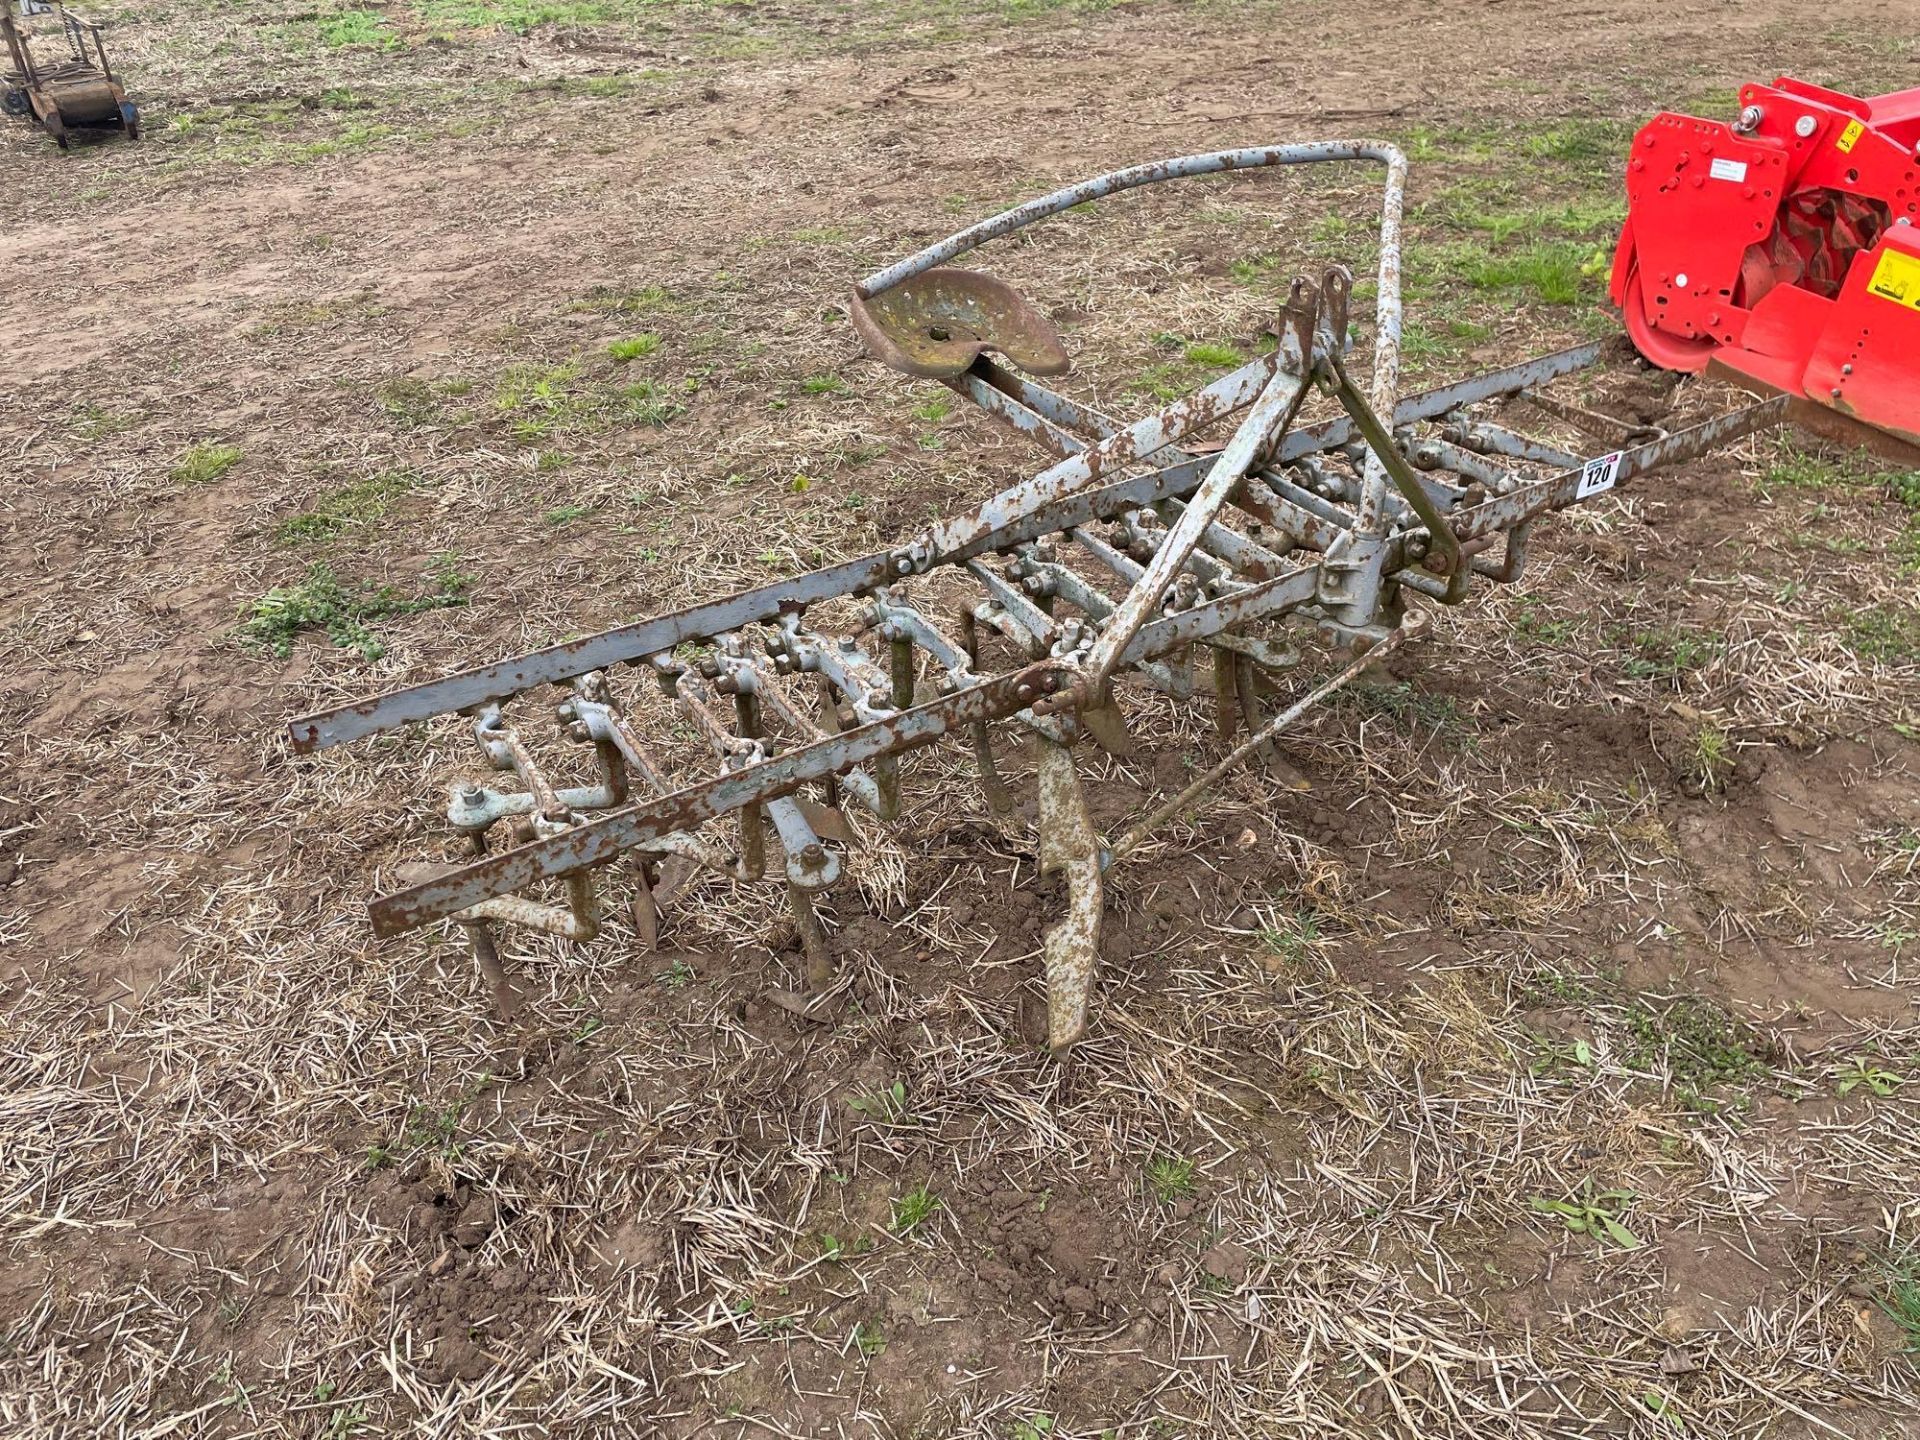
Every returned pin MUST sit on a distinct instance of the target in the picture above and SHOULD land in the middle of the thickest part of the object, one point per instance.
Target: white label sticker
(1734, 170)
(1598, 474)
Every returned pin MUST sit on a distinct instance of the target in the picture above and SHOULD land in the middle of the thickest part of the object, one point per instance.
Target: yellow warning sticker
(1849, 136)
(1897, 278)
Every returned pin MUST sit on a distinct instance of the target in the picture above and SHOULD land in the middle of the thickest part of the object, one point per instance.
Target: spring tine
(1247, 694)
(999, 798)
(856, 781)
(505, 750)
(1226, 693)
(970, 637)
(813, 938)
(1068, 846)
(901, 654)
(645, 909)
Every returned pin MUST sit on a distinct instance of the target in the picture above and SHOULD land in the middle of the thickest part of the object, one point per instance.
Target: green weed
(1531, 620)
(889, 1106)
(833, 1248)
(322, 601)
(1592, 1212)
(1409, 709)
(1799, 469)
(438, 1126)
(1666, 653)
(1694, 1040)
(1889, 634)
(1861, 1073)
(1901, 1302)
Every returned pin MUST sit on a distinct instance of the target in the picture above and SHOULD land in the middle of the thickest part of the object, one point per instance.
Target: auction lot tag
(1598, 474)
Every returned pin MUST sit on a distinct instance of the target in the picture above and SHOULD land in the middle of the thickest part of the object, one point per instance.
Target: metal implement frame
(1213, 554)
(64, 96)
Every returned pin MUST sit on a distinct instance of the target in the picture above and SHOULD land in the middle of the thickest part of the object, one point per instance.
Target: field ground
(1548, 1065)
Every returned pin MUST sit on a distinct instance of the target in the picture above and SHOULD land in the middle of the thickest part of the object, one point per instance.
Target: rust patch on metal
(939, 323)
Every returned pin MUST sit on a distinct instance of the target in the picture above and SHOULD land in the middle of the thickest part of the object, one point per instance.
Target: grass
(1710, 757)
(1553, 272)
(1170, 1178)
(360, 503)
(1407, 707)
(1293, 939)
(1889, 634)
(1666, 652)
(636, 347)
(1900, 1297)
(605, 300)
(97, 422)
(345, 612)
(351, 28)
(913, 1209)
(1217, 357)
(203, 462)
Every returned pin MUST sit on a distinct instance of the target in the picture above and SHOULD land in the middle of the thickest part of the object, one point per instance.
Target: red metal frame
(1784, 249)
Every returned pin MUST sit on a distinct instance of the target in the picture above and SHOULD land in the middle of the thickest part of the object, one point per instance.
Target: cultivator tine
(1135, 545)
(1068, 848)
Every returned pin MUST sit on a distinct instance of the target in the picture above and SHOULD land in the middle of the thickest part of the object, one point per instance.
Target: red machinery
(1783, 250)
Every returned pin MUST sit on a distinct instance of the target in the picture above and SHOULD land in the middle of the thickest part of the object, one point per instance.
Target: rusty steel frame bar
(636, 827)
(987, 528)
